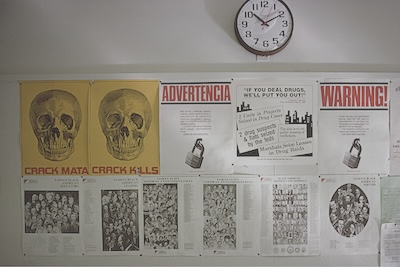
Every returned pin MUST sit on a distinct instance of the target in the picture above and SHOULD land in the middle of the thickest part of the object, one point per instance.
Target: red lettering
(196, 93)
(41, 171)
(227, 93)
(347, 96)
(165, 96)
(326, 96)
(74, 170)
(353, 96)
(338, 98)
(144, 170)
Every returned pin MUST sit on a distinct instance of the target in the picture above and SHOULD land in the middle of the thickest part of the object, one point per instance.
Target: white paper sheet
(52, 217)
(395, 127)
(390, 197)
(390, 245)
(290, 216)
(112, 215)
(350, 214)
(353, 127)
(275, 122)
(171, 216)
(196, 130)
(230, 215)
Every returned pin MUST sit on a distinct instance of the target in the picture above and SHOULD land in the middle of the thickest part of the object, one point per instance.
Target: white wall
(99, 39)
(93, 36)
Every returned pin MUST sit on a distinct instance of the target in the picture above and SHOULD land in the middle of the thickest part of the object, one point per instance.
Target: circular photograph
(349, 210)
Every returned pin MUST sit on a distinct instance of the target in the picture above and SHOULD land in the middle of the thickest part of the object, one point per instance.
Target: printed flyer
(52, 216)
(275, 122)
(395, 128)
(390, 245)
(350, 214)
(171, 216)
(390, 195)
(196, 128)
(353, 127)
(54, 127)
(231, 219)
(112, 209)
(124, 137)
(290, 223)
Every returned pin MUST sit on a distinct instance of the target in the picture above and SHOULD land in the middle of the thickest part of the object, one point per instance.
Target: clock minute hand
(272, 19)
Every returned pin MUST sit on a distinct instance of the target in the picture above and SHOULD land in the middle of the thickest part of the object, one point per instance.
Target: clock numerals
(248, 14)
(264, 3)
(264, 27)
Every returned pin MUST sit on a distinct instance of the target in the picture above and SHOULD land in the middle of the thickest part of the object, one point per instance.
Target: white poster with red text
(353, 127)
(196, 133)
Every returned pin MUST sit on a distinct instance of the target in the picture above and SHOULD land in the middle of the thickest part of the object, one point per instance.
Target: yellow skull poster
(54, 127)
(124, 128)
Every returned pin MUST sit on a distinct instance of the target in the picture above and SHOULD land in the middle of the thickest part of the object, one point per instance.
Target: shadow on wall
(223, 13)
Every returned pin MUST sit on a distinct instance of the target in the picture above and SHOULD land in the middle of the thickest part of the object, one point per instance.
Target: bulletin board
(11, 196)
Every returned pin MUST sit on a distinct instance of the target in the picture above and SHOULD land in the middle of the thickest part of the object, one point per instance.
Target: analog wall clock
(264, 27)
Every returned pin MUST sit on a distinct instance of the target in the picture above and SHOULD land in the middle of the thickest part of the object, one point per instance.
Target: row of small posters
(231, 215)
(146, 127)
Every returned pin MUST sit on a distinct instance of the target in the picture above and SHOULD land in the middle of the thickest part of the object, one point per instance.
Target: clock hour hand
(263, 22)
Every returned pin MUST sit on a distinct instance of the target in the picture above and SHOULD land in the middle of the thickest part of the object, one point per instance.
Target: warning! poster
(275, 122)
(124, 137)
(353, 127)
(196, 128)
(54, 127)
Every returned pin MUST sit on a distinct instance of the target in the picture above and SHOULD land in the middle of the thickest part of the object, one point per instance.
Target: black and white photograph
(51, 212)
(290, 214)
(349, 210)
(219, 215)
(160, 215)
(120, 226)
(350, 220)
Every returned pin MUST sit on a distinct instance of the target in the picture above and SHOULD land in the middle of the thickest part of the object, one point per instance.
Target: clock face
(264, 27)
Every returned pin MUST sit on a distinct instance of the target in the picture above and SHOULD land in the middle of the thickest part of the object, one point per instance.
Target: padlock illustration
(353, 156)
(195, 158)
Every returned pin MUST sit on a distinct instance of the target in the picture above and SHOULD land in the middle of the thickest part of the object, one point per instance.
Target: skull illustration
(55, 117)
(125, 117)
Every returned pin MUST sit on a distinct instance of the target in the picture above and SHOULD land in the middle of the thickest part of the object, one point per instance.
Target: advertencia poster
(124, 137)
(353, 127)
(275, 122)
(54, 127)
(196, 130)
